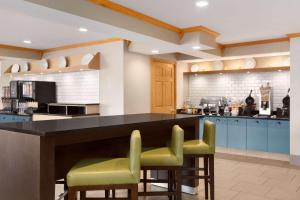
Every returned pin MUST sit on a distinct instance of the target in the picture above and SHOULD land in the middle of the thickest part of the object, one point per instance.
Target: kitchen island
(36, 154)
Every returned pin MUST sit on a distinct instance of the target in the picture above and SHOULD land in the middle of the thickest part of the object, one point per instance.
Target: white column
(295, 101)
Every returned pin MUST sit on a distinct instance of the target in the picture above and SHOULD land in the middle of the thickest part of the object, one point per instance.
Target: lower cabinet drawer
(257, 135)
(279, 136)
(237, 133)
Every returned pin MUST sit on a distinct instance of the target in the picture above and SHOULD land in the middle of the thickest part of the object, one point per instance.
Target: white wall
(111, 75)
(182, 84)
(237, 86)
(295, 99)
(137, 69)
(76, 87)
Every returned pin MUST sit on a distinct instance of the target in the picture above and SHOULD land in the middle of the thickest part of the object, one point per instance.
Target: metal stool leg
(206, 174)
(212, 176)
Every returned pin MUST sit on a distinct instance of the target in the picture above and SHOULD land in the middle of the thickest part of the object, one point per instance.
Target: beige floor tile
(243, 196)
(244, 178)
(250, 188)
(282, 194)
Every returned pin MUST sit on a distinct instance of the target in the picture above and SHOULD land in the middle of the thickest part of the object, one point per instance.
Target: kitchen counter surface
(244, 117)
(58, 127)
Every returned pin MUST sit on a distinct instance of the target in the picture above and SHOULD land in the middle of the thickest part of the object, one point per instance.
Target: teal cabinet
(237, 133)
(221, 130)
(257, 134)
(14, 118)
(279, 136)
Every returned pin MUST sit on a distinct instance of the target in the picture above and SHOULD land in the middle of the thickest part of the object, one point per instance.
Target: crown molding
(84, 44)
(140, 16)
(200, 29)
(293, 35)
(127, 11)
(3, 46)
(251, 43)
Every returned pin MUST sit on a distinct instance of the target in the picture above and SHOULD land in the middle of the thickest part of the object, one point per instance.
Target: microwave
(39, 91)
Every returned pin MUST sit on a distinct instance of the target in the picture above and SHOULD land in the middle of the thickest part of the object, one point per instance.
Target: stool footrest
(154, 181)
(156, 193)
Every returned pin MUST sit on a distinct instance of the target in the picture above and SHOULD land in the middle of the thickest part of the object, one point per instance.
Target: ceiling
(235, 20)
(18, 24)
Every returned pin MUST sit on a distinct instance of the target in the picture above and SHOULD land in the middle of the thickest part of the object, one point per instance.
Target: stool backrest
(209, 135)
(135, 154)
(177, 143)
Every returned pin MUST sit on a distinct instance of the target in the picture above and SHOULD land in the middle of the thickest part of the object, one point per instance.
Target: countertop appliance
(213, 105)
(23, 93)
(285, 110)
(250, 107)
(265, 104)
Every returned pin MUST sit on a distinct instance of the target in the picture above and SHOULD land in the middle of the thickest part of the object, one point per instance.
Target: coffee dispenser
(265, 104)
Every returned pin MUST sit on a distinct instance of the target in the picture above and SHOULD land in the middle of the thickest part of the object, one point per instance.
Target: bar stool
(205, 149)
(107, 174)
(166, 158)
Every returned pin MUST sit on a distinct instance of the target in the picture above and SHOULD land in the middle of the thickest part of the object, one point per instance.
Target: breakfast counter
(36, 154)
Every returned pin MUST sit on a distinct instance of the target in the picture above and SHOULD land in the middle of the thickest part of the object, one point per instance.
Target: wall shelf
(73, 65)
(267, 69)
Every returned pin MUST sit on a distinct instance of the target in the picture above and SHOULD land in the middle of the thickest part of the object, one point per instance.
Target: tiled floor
(246, 178)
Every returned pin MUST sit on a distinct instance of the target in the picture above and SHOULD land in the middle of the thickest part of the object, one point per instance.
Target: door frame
(173, 62)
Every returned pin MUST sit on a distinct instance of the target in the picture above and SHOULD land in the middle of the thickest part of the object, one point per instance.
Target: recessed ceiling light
(202, 3)
(83, 29)
(280, 70)
(27, 41)
(155, 51)
(196, 47)
(221, 73)
(248, 72)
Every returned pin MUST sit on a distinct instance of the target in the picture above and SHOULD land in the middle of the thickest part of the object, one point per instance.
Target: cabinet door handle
(236, 120)
(278, 122)
(218, 120)
(257, 122)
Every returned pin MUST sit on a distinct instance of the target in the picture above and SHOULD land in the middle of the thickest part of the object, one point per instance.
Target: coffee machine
(284, 112)
(265, 105)
(24, 93)
(213, 105)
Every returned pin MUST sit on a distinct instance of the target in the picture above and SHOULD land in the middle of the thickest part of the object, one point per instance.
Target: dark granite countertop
(52, 127)
(244, 117)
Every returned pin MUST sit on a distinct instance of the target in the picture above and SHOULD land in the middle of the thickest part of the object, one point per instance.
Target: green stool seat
(101, 172)
(204, 146)
(106, 174)
(168, 158)
(197, 147)
(205, 149)
(159, 157)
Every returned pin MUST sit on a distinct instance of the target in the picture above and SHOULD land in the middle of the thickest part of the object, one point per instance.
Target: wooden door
(163, 87)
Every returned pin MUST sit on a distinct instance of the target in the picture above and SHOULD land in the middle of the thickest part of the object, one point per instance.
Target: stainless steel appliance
(265, 104)
(22, 92)
(213, 105)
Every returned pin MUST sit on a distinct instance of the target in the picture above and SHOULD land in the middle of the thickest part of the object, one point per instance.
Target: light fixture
(196, 47)
(202, 3)
(155, 51)
(27, 41)
(221, 73)
(59, 71)
(280, 70)
(83, 30)
(41, 73)
(248, 72)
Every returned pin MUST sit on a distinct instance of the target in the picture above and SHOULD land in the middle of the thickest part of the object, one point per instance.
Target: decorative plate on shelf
(249, 63)
(194, 68)
(86, 59)
(218, 65)
(44, 64)
(24, 67)
(62, 62)
(15, 68)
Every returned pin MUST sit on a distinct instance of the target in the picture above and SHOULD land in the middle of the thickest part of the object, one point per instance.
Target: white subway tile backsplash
(76, 87)
(238, 86)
